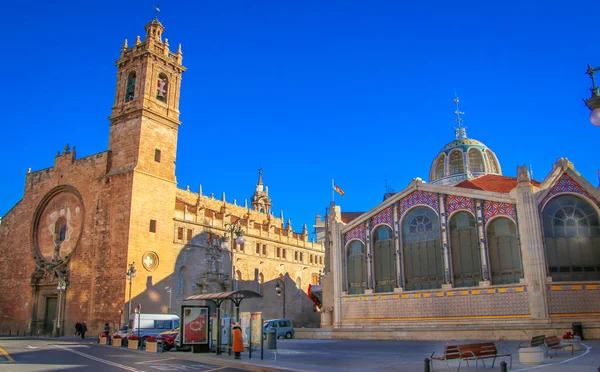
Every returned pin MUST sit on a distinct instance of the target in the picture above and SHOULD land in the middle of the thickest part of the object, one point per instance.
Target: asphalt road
(57, 355)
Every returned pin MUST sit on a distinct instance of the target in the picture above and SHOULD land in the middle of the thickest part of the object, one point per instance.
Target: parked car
(283, 326)
(144, 325)
(170, 340)
(123, 333)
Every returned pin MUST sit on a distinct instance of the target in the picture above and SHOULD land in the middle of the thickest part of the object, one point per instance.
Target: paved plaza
(292, 355)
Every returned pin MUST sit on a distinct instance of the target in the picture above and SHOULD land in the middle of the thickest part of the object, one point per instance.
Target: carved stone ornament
(150, 261)
(523, 174)
(56, 229)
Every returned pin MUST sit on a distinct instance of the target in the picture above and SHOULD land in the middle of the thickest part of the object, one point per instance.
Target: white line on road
(554, 364)
(98, 359)
(31, 347)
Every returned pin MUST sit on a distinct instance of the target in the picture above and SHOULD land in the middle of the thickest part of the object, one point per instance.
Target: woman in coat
(238, 341)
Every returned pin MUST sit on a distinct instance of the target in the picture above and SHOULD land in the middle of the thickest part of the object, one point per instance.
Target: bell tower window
(162, 88)
(130, 90)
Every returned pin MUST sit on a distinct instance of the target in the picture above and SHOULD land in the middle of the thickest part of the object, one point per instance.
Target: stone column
(532, 246)
(482, 243)
(445, 251)
(336, 266)
(369, 250)
(397, 235)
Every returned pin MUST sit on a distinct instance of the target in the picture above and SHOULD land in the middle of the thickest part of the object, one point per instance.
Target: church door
(50, 316)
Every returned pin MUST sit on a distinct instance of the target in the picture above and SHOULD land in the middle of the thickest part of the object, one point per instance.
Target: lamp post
(233, 228)
(168, 288)
(62, 286)
(279, 289)
(130, 274)
(593, 103)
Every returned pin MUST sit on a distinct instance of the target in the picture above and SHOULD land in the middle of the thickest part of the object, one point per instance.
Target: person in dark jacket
(83, 329)
(77, 329)
(238, 341)
(106, 330)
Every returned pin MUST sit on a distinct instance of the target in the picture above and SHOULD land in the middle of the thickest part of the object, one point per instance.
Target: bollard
(503, 366)
(427, 365)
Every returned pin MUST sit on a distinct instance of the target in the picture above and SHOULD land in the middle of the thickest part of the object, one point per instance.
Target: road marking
(216, 369)
(97, 359)
(3, 352)
(154, 360)
(562, 362)
(31, 347)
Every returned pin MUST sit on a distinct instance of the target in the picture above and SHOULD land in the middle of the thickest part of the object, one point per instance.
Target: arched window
(163, 87)
(572, 237)
(457, 165)
(476, 161)
(357, 278)
(438, 171)
(466, 262)
(130, 89)
(182, 280)
(383, 258)
(423, 267)
(504, 251)
(60, 230)
(492, 162)
(299, 283)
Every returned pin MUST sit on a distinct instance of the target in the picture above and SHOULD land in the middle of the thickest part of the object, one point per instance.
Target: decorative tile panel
(358, 232)
(416, 198)
(566, 184)
(455, 202)
(492, 209)
(385, 216)
(457, 303)
(573, 299)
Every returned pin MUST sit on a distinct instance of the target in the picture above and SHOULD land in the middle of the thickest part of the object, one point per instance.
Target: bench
(535, 341)
(467, 352)
(450, 352)
(481, 351)
(553, 343)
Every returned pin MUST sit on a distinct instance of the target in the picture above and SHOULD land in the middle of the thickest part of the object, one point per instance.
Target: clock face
(58, 224)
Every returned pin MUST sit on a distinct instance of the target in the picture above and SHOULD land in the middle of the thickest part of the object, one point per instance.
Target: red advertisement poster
(195, 325)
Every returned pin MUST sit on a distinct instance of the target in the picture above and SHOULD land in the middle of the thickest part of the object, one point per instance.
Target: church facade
(472, 254)
(84, 223)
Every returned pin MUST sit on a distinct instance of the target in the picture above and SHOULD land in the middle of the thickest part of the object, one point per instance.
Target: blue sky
(310, 90)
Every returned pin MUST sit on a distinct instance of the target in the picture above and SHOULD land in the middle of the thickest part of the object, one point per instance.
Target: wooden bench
(467, 352)
(450, 352)
(535, 341)
(553, 343)
(481, 351)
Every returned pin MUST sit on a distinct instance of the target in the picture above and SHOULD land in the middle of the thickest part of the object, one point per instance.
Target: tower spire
(459, 130)
(260, 200)
(157, 10)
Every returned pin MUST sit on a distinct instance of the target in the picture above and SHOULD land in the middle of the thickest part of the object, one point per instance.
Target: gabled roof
(493, 183)
(349, 216)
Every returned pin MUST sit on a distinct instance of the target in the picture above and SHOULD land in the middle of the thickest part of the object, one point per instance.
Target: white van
(152, 324)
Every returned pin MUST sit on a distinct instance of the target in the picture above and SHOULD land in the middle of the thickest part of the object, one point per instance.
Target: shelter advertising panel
(256, 328)
(194, 330)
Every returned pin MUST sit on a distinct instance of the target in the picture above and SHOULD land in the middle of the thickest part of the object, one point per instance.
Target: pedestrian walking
(83, 329)
(106, 329)
(77, 329)
(238, 341)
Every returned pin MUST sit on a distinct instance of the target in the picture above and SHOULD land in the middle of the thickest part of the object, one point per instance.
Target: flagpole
(332, 190)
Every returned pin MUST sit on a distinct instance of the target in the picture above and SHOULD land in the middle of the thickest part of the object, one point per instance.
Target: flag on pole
(339, 189)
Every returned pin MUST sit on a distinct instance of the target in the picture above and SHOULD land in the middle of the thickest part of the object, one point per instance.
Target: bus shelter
(218, 298)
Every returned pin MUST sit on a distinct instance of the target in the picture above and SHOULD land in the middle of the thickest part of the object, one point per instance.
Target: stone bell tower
(145, 116)
(144, 127)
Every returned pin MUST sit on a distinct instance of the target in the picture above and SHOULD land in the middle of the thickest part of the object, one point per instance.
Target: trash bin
(577, 330)
(271, 338)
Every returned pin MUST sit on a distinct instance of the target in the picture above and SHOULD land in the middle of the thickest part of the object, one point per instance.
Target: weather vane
(461, 132)
(157, 11)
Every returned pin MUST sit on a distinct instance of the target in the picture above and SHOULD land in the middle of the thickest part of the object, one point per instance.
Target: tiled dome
(463, 159)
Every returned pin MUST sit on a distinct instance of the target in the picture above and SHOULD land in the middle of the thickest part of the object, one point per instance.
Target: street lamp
(233, 228)
(62, 286)
(278, 288)
(169, 290)
(130, 274)
(593, 103)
